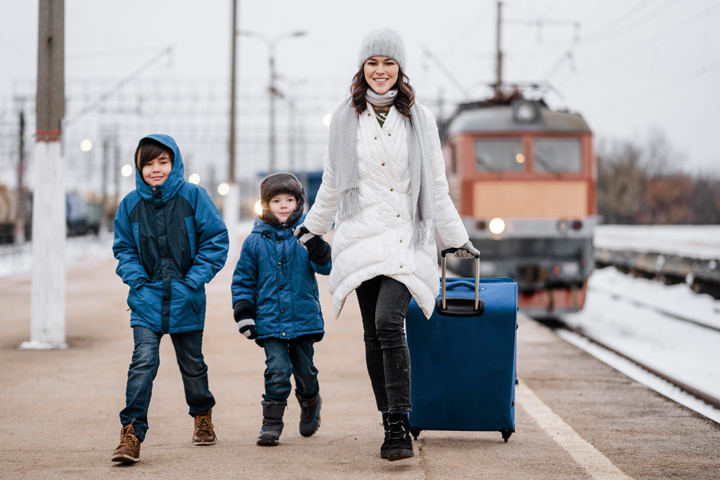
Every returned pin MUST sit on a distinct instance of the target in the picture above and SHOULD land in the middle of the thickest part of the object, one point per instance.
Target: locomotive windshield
(499, 155)
(557, 155)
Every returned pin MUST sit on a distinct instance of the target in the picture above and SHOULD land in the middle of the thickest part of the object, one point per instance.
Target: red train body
(523, 178)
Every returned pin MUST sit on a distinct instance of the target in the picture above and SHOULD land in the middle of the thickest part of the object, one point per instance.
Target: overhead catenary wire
(619, 20)
(653, 91)
(105, 96)
(445, 71)
(631, 27)
(602, 63)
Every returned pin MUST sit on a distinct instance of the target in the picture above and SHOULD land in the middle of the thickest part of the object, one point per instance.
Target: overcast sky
(636, 64)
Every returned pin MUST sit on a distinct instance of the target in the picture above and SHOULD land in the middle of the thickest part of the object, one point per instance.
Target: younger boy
(170, 240)
(275, 302)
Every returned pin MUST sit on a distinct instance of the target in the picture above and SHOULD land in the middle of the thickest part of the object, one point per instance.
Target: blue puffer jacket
(275, 275)
(170, 241)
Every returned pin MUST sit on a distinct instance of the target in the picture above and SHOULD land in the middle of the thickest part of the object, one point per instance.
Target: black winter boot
(399, 441)
(272, 423)
(309, 414)
(384, 447)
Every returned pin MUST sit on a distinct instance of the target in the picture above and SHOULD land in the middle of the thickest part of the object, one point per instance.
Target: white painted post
(47, 307)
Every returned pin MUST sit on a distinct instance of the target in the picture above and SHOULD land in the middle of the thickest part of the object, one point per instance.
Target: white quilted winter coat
(377, 239)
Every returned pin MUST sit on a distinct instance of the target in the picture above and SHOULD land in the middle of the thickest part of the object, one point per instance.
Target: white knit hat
(384, 42)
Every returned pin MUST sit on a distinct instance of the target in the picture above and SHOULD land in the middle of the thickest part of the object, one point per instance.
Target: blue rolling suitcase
(462, 374)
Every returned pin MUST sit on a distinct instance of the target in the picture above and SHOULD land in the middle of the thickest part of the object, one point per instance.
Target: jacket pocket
(145, 301)
(187, 305)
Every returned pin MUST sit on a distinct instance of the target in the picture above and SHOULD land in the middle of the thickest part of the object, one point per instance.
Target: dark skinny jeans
(383, 305)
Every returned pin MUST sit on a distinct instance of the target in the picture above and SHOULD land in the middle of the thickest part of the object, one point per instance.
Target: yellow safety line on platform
(590, 458)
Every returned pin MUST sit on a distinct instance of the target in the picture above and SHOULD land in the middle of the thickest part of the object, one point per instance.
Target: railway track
(558, 324)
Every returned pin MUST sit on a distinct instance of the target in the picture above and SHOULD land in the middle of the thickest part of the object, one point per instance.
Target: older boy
(170, 240)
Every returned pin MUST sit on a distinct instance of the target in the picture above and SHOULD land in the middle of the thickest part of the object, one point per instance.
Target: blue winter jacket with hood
(275, 275)
(170, 240)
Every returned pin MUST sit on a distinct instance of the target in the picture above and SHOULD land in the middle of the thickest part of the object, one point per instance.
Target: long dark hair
(403, 101)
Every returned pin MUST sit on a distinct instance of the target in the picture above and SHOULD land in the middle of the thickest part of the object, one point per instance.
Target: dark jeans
(144, 367)
(383, 305)
(286, 357)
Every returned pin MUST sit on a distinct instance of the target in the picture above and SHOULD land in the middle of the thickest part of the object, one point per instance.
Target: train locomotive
(523, 178)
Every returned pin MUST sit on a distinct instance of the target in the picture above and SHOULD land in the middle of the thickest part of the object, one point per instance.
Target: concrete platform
(576, 417)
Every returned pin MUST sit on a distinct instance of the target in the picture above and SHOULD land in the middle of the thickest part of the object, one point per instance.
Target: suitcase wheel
(415, 431)
(506, 432)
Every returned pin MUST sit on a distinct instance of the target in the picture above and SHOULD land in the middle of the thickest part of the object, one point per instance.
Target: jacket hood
(261, 227)
(175, 180)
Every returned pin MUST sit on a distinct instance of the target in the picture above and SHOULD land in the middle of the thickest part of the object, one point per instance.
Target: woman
(384, 187)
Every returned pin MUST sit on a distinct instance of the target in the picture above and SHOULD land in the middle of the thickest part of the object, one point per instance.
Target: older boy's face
(156, 171)
(282, 205)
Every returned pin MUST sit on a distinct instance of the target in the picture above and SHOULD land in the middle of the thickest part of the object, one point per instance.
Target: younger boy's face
(282, 205)
(156, 171)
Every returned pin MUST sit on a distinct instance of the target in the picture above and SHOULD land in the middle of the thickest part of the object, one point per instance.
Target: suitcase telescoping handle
(443, 301)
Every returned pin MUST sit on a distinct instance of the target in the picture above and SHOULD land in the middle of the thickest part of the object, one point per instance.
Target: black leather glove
(319, 251)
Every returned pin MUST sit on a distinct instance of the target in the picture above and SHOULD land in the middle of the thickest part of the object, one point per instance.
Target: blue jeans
(144, 367)
(286, 357)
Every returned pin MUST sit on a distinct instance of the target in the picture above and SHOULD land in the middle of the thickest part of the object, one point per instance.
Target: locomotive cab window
(557, 155)
(499, 155)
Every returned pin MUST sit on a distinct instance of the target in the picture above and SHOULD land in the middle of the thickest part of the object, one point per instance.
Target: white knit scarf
(342, 150)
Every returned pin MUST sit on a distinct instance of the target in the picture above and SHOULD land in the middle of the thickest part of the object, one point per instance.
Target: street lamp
(271, 43)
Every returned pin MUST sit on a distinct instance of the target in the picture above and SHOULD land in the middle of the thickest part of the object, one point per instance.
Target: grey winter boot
(309, 414)
(272, 423)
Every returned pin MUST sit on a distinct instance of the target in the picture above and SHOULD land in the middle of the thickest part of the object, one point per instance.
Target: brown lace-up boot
(204, 433)
(129, 449)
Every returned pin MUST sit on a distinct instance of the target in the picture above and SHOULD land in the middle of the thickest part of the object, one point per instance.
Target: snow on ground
(679, 349)
(694, 241)
(674, 299)
(17, 260)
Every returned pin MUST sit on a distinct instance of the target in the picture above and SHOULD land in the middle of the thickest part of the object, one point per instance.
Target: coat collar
(281, 230)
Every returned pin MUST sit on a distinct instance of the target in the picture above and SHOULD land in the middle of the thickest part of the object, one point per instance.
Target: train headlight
(497, 226)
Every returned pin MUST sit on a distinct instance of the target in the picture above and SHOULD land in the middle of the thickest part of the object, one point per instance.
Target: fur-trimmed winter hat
(275, 184)
(385, 42)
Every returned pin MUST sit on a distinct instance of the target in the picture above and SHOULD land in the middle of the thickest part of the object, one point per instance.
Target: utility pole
(233, 83)
(272, 88)
(105, 165)
(273, 94)
(20, 216)
(47, 322)
(498, 40)
(291, 133)
(116, 171)
(231, 202)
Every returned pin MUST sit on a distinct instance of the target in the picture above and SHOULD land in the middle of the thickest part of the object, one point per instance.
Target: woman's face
(381, 73)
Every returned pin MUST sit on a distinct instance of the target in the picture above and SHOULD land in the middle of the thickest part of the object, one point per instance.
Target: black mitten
(244, 313)
(319, 251)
